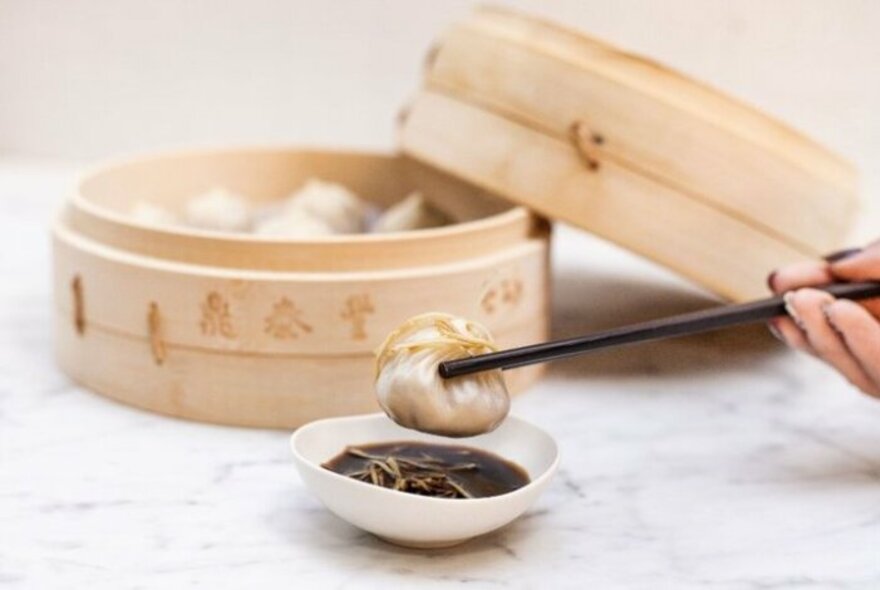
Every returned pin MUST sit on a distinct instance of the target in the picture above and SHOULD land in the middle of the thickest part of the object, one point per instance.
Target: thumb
(864, 265)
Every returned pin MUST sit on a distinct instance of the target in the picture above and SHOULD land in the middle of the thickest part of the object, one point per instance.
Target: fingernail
(842, 254)
(788, 298)
(770, 280)
(771, 325)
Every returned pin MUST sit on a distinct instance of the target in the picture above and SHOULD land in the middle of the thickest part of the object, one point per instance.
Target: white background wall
(89, 78)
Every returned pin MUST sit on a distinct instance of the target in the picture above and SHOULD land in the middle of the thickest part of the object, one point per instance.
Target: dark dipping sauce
(440, 471)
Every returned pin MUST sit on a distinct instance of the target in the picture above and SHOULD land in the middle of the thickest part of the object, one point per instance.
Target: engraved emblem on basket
(286, 322)
(216, 317)
(501, 293)
(355, 312)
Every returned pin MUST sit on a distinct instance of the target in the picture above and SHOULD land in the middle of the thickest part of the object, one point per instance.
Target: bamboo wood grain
(232, 330)
(240, 390)
(734, 159)
(716, 250)
(667, 86)
(104, 198)
(119, 288)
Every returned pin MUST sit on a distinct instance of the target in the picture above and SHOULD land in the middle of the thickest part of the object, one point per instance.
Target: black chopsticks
(680, 325)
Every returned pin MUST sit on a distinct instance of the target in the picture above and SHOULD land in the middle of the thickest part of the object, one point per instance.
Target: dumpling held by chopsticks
(413, 394)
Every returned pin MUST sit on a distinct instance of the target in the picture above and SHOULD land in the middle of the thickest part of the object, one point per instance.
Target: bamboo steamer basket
(267, 332)
(629, 150)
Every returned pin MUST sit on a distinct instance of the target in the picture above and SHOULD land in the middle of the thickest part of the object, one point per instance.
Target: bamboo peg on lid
(586, 143)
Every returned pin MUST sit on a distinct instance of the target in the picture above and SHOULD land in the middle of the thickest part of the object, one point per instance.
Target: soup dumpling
(152, 214)
(293, 224)
(218, 209)
(411, 391)
(413, 212)
(332, 203)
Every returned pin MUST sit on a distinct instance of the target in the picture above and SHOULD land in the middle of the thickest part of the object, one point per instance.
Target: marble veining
(721, 462)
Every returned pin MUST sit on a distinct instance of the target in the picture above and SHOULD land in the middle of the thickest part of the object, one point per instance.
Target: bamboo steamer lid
(623, 147)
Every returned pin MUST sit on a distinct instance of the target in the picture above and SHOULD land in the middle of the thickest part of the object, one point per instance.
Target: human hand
(844, 334)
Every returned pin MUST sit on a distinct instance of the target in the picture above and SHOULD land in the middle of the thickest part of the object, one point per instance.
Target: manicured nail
(771, 325)
(788, 298)
(842, 254)
(770, 279)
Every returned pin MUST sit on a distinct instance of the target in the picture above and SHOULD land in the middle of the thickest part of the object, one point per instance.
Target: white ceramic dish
(411, 520)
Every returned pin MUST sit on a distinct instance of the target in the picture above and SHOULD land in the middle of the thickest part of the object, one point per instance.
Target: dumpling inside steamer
(293, 225)
(333, 204)
(413, 394)
(413, 212)
(218, 209)
(317, 208)
(152, 214)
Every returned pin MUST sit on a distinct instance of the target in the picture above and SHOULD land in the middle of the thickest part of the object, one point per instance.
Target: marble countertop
(719, 462)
